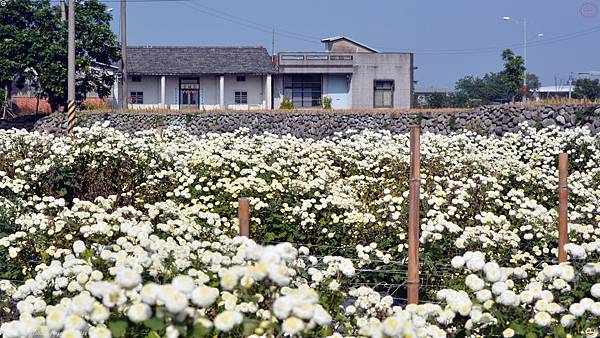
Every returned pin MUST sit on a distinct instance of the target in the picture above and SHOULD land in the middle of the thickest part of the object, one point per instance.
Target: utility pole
(273, 43)
(525, 60)
(124, 89)
(71, 70)
(63, 15)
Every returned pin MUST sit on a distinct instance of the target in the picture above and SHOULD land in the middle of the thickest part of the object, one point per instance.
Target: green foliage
(494, 87)
(512, 75)
(286, 103)
(587, 89)
(438, 100)
(35, 47)
(118, 327)
(327, 102)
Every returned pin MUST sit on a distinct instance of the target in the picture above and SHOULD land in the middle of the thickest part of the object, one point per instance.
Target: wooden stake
(413, 215)
(563, 205)
(159, 131)
(244, 216)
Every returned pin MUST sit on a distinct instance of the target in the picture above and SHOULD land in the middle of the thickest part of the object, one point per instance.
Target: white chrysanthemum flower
(78, 247)
(128, 278)
(457, 262)
(542, 318)
(139, 312)
(595, 290)
(577, 309)
(183, 283)
(99, 332)
(567, 320)
(204, 296)
(292, 325)
(225, 321)
(508, 333)
(149, 293)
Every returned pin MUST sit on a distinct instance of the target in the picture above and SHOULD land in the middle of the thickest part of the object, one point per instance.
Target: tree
(438, 100)
(38, 43)
(587, 89)
(514, 68)
(533, 84)
(15, 37)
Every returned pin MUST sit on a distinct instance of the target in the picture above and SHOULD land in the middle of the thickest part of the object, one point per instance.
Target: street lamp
(524, 24)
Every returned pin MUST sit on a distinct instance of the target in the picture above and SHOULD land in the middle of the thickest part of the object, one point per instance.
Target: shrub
(286, 103)
(327, 101)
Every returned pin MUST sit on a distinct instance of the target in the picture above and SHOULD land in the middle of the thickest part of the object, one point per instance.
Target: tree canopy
(587, 89)
(34, 47)
(494, 87)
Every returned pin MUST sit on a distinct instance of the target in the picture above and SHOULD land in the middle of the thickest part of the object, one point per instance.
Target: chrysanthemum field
(105, 234)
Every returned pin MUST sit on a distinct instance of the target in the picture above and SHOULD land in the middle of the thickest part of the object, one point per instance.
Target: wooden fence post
(563, 205)
(159, 131)
(413, 215)
(244, 216)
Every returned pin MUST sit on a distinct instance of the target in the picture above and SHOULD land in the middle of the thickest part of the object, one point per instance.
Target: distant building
(547, 92)
(422, 95)
(199, 77)
(352, 74)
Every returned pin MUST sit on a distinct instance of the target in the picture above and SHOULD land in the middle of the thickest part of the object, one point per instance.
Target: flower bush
(109, 235)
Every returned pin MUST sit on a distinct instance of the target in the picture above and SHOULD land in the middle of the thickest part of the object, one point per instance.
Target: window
(241, 97)
(383, 94)
(241, 78)
(341, 57)
(136, 78)
(317, 57)
(293, 57)
(303, 90)
(136, 97)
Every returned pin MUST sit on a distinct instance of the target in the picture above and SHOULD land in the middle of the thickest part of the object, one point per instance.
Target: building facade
(199, 77)
(352, 75)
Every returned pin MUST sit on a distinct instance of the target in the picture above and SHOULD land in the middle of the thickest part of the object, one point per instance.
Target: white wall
(253, 85)
(208, 95)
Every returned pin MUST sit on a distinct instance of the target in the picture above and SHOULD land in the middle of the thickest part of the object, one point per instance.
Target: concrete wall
(491, 120)
(384, 66)
(345, 46)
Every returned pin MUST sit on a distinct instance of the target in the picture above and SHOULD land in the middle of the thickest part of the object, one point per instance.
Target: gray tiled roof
(159, 60)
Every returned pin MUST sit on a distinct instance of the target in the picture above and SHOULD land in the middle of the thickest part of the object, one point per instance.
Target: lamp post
(524, 24)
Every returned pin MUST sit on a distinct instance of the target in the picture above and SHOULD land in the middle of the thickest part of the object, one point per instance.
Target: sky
(450, 38)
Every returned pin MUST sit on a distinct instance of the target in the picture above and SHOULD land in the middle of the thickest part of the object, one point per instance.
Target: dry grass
(548, 102)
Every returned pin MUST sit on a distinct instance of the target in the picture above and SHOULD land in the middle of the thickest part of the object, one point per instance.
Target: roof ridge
(203, 47)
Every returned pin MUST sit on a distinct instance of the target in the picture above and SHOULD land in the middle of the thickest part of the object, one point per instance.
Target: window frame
(136, 97)
(240, 78)
(240, 97)
(376, 89)
(136, 78)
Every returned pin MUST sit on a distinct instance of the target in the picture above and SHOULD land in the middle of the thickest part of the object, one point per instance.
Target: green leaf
(201, 331)
(156, 324)
(153, 334)
(249, 327)
(530, 335)
(118, 328)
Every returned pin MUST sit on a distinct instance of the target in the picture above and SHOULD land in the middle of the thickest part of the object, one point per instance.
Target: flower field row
(105, 234)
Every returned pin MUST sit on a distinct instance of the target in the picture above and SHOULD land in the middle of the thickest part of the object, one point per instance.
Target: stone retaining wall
(494, 120)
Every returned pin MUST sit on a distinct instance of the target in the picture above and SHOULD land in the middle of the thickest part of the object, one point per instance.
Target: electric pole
(63, 15)
(71, 70)
(273, 43)
(124, 89)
